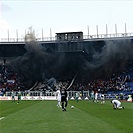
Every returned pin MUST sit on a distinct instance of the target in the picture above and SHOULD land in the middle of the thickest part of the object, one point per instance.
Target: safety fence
(85, 37)
(45, 95)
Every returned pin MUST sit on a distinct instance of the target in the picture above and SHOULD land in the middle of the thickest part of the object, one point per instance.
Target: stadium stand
(9, 80)
(99, 63)
(117, 85)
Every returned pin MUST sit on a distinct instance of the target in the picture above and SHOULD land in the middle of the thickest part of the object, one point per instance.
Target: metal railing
(42, 93)
(85, 37)
(71, 94)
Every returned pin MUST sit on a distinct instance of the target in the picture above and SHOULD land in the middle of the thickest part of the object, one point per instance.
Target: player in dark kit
(132, 96)
(64, 99)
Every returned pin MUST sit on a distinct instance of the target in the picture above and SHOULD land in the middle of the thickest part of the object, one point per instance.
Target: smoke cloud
(43, 63)
(112, 58)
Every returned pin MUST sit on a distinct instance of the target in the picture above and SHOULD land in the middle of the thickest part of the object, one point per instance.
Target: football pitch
(46, 117)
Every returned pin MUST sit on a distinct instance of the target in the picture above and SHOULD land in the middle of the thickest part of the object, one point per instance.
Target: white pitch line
(2, 118)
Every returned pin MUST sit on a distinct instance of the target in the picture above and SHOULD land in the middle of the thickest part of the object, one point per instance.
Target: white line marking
(2, 118)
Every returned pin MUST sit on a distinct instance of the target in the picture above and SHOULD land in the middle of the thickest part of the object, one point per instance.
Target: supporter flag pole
(72, 81)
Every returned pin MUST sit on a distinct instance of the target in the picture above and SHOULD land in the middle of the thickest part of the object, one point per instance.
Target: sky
(54, 16)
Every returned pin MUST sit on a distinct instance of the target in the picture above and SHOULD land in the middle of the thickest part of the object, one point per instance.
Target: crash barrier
(47, 95)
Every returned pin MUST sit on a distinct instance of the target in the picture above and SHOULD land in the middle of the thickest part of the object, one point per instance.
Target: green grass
(45, 117)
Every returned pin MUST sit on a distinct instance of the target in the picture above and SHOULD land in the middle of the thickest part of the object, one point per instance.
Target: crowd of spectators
(9, 80)
(114, 84)
(118, 83)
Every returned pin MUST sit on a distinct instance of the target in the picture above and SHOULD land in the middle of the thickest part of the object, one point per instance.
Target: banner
(29, 98)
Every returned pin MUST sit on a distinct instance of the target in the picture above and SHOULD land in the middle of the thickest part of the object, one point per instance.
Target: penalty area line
(2, 118)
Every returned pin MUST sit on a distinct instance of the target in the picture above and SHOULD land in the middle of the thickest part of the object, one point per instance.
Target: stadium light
(97, 30)
(116, 30)
(106, 30)
(8, 35)
(125, 29)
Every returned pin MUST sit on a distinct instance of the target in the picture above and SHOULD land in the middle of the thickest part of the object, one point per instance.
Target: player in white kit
(58, 97)
(117, 104)
(96, 97)
(102, 99)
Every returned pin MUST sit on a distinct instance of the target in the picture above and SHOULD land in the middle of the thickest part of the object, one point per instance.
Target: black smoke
(112, 58)
(99, 59)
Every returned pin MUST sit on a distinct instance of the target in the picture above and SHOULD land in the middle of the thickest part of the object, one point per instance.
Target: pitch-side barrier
(45, 95)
